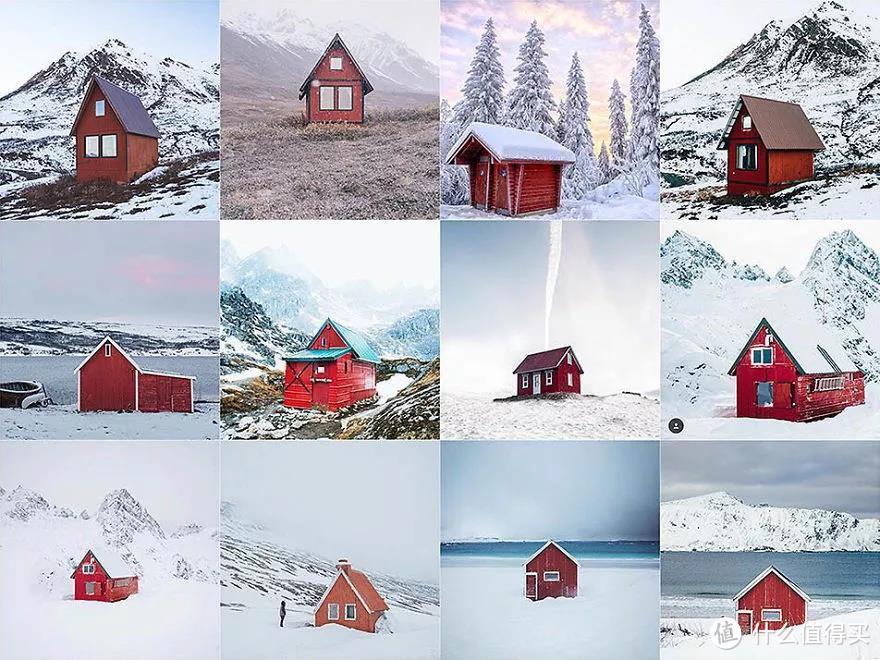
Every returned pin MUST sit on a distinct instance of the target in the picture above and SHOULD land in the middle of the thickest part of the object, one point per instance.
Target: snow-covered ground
(614, 617)
(618, 416)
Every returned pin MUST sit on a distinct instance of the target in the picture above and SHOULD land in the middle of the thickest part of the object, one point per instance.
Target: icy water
(56, 373)
(701, 584)
(495, 552)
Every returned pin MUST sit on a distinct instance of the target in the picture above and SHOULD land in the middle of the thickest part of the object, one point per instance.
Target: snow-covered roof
(765, 573)
(545, 546)
(110, 560)
(505, 143)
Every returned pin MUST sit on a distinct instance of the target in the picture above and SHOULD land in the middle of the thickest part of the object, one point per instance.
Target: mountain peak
(122, 516)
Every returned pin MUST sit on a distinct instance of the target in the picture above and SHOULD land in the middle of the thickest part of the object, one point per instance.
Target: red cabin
(551, 573)
(804, 377)
(547, 372)
(770, 146)
(770, 602)
(107, 579)
(512, 172)
(109, 380)
(115, 138)
(351, 600)
(335, 88)
(336, 369)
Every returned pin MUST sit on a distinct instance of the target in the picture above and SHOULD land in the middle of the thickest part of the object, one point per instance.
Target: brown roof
(545, 360)
(781, 125)
(367, 591)
(336, 41)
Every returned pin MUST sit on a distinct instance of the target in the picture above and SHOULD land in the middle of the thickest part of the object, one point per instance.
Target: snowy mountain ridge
(719, 522)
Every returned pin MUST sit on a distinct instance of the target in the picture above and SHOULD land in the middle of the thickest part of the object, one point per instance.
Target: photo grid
(236, 239)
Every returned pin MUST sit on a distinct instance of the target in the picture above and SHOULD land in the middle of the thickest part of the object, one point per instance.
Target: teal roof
(357, 344)
(317, 354)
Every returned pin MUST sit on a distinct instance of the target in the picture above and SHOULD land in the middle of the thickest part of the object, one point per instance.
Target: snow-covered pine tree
(646, 87)
(617, 120)
(482, 95)
(530, 104)
(453, 178)
(604, 165)
(574, 132)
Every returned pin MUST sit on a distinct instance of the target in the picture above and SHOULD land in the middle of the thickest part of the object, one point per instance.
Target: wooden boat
(23, 394)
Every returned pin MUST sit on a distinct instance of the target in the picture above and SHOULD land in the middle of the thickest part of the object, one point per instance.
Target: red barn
(115, 138)
(336, 86)
(107, 579)
(803, 377)
(769, 602)
(512, 172)
(551, 573)
(556, 370)
(335, 370)
(351, 600)
(109, 380)
(770, 146)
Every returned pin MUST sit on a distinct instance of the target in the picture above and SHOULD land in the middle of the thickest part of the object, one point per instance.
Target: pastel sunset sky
(604, 34)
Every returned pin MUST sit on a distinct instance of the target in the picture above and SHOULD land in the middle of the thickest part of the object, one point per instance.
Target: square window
(92, 146)
(747, 157)
(99, 108)
(762, 356)
(551, 576)
(350, 612)
(108, 146)
(327, 98)
(344, 98)
(333, 611)
(336, 64)
(747, 123)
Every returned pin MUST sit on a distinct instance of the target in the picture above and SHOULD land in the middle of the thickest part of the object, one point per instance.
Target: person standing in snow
(283, 612)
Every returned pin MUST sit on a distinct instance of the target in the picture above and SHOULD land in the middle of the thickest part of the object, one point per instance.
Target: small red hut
(556, 370)
(769, 602)
(512, 172)
(115, 138)
(804, 377)
(107, 579)
(351, 600)
(335, 88)
(109, 380)
(770, 146)
(551, 573)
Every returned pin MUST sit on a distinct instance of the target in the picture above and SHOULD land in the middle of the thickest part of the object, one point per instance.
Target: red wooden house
(800, 375)
(556, 370)
(351, 600)
(512, 172)
(115, 138)
(770, 146)
(335, 370)
(335, 88)
(551, 573)
(109, 380)
(769, 602)
(108, 578)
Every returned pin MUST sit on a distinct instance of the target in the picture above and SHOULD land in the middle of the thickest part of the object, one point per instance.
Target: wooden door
(744, 619)
(320, 385)
(532, 586)
(502, 173)
(783, 395)
(480, 183)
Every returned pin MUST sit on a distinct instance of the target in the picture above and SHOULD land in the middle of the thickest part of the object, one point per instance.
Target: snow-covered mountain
(35, 119)
(826, 60)
(722, 523)
(414, 335)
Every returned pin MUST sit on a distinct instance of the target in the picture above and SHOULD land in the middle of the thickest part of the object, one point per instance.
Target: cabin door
(744, 619)
(764, 395)
(532, 586)
(481, 186)
(320, 385)
(502, 174)
(536, 383)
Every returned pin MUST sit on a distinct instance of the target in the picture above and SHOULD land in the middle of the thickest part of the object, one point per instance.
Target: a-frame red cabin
(770, 146)
(551, 573)
(548, 372)
(116, 140)
(335, 88)
(351, 600)
(107, 578)
(511, 171)
(770, 602)
(803, 377)
(335, 370)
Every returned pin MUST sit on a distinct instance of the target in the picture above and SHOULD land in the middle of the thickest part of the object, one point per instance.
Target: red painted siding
(790, 167)
(107, 383)
(559, 380)
(553, 559)
(347, 77)
(158, 393)
(90, 169)
(106, 589)
(536, 187)
(341, 594)
(772, 593)
(143, 155)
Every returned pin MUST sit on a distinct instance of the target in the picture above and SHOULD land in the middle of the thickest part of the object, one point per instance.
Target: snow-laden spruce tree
(603, 164)
(618, 126)
(482, 95)
(574, 132)
(453, 178)
(530, 105)
(645, 85)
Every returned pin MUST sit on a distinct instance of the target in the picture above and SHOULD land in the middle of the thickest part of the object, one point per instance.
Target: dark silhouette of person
(283, 612)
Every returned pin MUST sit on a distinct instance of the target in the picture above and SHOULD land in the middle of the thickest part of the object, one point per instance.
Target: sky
(374, 503)
(162, 273)
(606, 303)
(772, 244)
(570, 491)
(387, 253)
(177, 482)
(839, 475)
(413, 22)
(604, 34)
(38, 32)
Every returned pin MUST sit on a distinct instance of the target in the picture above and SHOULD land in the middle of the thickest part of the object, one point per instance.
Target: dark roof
(781, 125)
(128, 108)
(336, 41)
(546, 360)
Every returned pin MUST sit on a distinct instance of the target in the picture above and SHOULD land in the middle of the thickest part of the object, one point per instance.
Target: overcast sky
(131, 272)
(772, 244)
(603, 33)
(177, 482)
(589, 490)
(837, 475)
(35, 33)
(374, 503)
(606, 304)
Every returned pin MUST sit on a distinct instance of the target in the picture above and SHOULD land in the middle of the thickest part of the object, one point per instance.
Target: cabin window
(336, 64)
(525, 380)
(88, 569)
(344, 98)
(107, 350)
(326, 99)
(333, 611)
(765, 395)
(90, 588)
(568, 358)
(551, 576)
(548, 377)
(350, 611)
(323, 341)
(122, 582)
(570, 380)
(108, 146)
(99, 108)
(771, 615)
(92, 146)
(747, 157)
(828, 384)
(747, 123)
(319, 369)
(762, 355)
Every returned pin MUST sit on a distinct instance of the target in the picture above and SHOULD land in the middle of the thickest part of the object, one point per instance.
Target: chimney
(343, 565)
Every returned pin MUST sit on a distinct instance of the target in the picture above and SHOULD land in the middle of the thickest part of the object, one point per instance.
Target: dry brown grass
(285, 169)
(254, 394)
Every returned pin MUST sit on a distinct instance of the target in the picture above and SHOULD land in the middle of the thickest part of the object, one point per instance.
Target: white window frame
(333, 62)
(104, 144)
(107, 350)
(552, 579)
(761, 349)
(747, 123)
(88, 572)
(740, 157)
(323, 342)
(568, 357)
(570, 380)
(769, 610)
(331, 608)
(355, 615)
(525, 380)
(548, 377)
(321, 96)
(319, 369)
(828, 384)
(100, 103)
(121, 582)
(96, 152)
(350, 97)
